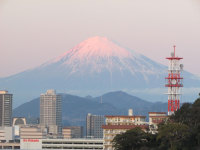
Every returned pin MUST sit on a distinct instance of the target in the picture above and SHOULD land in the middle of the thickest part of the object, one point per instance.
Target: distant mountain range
(75, 108)
(95, 66)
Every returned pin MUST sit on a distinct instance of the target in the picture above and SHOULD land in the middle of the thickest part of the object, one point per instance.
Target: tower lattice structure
(174, 82)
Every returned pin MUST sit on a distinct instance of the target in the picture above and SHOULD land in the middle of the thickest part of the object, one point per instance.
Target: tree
(134, 139)
(173, 135)
(189, 114)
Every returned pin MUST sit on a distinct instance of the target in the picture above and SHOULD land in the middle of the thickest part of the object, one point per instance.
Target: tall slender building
(50, 111)
(94, 126)
(5, 108)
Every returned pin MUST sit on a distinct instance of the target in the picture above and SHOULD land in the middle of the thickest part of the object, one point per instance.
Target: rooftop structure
(19, 121)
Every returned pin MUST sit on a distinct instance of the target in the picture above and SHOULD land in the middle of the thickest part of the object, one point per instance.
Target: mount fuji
(95, 66)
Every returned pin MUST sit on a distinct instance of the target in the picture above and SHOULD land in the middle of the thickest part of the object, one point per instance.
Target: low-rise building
(72, 132)
(61, 144)
(32, 132)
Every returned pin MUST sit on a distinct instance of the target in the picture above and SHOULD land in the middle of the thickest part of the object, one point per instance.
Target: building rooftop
(124, 126)
(3, 92)
(107, 116)
(159, 116)
(157, 113)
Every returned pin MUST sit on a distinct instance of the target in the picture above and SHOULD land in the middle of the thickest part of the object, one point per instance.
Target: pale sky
(34, 31)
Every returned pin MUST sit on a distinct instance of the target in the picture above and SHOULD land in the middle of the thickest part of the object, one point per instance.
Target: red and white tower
(174, 82)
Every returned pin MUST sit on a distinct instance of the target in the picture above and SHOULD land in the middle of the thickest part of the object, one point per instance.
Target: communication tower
(174, 82)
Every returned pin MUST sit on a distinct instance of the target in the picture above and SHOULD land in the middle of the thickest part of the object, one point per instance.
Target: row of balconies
(122, 120)
(114, 131)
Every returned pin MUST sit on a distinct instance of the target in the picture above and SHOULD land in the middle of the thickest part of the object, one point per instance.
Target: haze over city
(35, 31)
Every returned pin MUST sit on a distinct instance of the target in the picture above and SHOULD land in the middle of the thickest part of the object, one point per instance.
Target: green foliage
(173, 135)
(189, 114)
(134, 139)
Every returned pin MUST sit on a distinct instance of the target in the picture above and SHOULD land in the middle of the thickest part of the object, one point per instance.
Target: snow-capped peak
(99, 54)
(96, 47)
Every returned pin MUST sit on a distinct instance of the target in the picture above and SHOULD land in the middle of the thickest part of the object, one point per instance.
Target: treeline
(180, 132)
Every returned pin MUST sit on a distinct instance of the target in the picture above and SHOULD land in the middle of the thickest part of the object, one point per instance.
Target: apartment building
(120, 124)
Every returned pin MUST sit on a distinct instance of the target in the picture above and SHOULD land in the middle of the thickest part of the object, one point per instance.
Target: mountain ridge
(75, 108)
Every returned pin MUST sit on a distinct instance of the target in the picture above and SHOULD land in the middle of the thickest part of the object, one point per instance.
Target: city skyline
(57, 27)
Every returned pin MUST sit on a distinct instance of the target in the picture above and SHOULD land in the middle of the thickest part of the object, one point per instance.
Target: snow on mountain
(93, 67)
(97, 54)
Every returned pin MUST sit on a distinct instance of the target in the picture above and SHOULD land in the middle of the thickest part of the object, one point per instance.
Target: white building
(92, 144)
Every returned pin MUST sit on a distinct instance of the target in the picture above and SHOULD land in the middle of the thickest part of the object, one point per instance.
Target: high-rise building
(5, 108)
(50, 112)
(94, 126)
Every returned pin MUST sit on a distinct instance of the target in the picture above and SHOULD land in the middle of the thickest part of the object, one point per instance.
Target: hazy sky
(34, 31)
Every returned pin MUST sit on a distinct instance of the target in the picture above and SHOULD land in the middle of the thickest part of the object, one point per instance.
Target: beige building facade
(32, 132)
(120, 124)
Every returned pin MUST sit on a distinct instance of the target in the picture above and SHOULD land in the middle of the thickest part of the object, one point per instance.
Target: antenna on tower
(174, 50)
(174, 82)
